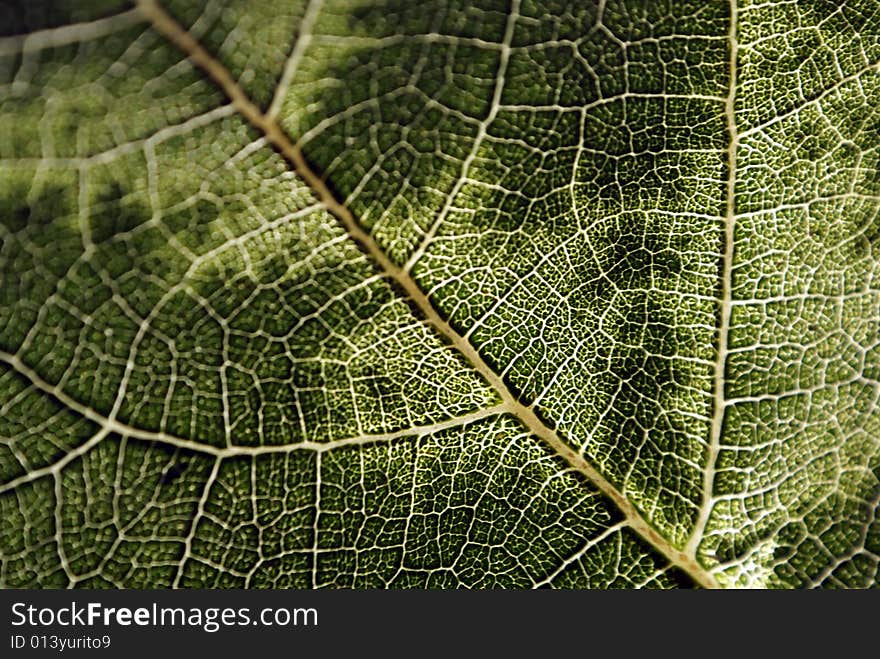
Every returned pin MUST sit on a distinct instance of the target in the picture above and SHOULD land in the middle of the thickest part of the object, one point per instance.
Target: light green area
(204, 382)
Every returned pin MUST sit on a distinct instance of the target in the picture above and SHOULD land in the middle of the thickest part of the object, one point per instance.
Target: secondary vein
(725, 296)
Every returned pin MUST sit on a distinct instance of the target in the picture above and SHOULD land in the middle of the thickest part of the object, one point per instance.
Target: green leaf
(367, 293)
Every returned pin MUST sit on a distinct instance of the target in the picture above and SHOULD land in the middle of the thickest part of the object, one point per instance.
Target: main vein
(725, 296)
(174, 32)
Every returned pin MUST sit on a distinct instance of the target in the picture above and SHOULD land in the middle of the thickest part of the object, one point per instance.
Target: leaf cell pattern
(362, 293)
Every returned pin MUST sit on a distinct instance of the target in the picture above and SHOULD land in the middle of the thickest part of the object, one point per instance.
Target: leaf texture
(498, 294)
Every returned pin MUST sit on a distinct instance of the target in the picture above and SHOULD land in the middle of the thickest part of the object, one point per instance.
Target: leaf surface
(486, 294)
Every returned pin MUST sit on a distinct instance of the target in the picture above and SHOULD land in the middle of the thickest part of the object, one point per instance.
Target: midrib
(275, 135)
